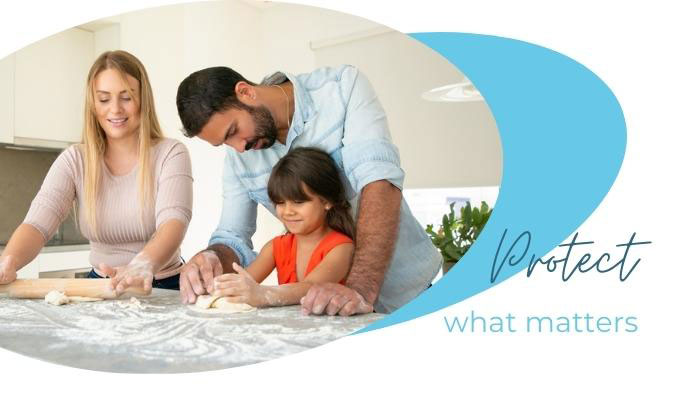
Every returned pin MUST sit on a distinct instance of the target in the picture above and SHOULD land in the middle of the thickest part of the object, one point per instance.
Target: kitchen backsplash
(22, 172)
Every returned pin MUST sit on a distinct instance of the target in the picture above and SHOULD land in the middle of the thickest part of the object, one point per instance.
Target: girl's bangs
(284, 185)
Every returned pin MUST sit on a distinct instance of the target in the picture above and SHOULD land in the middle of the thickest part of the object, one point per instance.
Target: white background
(648, 57)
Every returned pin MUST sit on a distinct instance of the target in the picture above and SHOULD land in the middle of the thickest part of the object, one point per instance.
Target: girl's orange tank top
(285, 252)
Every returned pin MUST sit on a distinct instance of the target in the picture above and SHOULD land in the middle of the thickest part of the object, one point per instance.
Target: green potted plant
(457, 234)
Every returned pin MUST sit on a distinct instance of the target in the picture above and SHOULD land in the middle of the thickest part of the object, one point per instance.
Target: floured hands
(242, 287)
(8, 272)
(333, 298)
(197, 276)
(138, 273)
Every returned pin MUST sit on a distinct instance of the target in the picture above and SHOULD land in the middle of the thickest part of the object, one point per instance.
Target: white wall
(441, 144)
(227, 33)
(288, 29)
(155, 37)
(107, 38)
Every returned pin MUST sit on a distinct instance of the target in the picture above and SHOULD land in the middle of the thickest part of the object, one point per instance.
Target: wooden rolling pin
(38, 288)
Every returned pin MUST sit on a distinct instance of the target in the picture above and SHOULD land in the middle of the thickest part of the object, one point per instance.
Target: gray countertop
(161, 335)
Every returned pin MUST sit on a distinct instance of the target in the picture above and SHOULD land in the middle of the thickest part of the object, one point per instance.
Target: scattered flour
(158, 334)
(135, 304)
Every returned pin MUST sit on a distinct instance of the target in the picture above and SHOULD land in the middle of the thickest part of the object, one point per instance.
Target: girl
(132, 187)
(310, 200)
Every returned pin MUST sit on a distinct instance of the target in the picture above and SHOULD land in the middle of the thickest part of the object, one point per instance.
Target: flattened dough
(82, 299)
(205, 301)
(219, 305)
(223, 303)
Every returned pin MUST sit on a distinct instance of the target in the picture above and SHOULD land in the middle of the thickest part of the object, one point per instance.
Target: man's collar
(304, 108)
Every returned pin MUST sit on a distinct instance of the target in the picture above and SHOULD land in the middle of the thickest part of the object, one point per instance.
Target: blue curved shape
(563, 135)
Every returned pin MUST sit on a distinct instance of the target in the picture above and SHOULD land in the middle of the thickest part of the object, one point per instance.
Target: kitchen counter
(60, 248)
(162, 335)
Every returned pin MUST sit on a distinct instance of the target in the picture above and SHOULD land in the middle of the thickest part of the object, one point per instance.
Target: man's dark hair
(204, 93)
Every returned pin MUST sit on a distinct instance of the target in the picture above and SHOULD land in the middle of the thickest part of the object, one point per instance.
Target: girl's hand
(139, 272)
(241, 287)
(8, 272)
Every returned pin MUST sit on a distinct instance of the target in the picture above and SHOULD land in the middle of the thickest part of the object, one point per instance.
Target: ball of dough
(56, 298)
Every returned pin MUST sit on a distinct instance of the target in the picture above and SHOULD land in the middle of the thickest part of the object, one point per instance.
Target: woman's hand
(139, 273)
(241, 287)
(8, 272)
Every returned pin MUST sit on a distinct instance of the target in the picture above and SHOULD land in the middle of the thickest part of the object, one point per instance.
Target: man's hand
(333, 298)
(139, 272)
(197, 276)
(8, 272)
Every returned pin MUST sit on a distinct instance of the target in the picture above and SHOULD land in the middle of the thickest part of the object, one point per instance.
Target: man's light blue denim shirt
(336, 110)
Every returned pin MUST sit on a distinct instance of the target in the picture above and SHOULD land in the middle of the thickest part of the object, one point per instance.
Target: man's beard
(265, 128)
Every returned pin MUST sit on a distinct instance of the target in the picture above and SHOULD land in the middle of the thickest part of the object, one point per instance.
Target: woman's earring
(328, 208)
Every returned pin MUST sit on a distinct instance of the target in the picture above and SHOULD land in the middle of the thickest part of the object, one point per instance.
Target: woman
(131, 185)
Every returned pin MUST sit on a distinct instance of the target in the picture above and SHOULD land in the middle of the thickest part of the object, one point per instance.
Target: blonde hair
(94, 142)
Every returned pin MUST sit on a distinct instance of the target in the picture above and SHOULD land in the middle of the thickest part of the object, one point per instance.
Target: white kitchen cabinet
(50, 77)
(7, 94)
(63, 260)
(29, 271)
(55, 261)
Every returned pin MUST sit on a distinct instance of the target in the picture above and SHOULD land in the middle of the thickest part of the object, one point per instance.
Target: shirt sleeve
(53, 202)
(238, 216)
(174, 190)
(368, 153)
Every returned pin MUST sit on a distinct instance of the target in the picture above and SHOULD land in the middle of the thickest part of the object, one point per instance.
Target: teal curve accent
(563, 135)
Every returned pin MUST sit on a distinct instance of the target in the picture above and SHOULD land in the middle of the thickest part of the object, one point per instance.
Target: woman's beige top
(120, 234)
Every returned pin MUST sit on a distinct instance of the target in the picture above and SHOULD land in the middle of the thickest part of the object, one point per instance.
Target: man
(336, 110)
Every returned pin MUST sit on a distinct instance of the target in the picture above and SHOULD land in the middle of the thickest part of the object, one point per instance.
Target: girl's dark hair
(315, 169)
